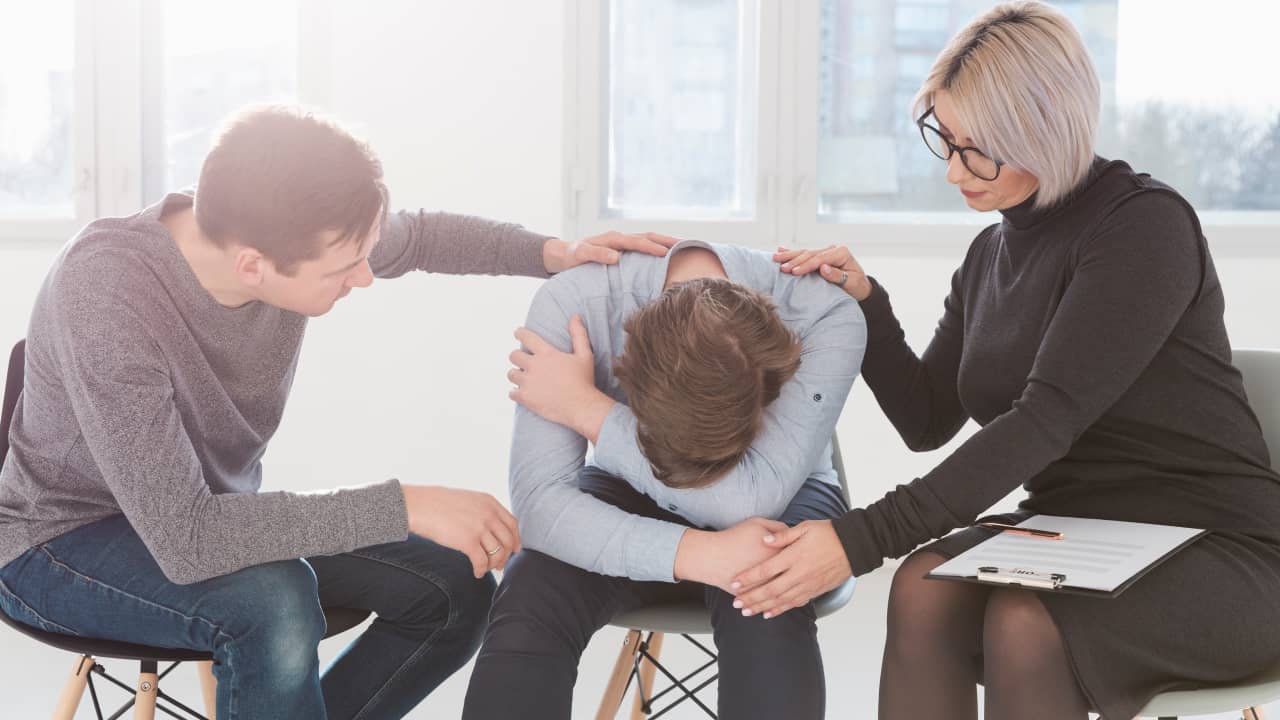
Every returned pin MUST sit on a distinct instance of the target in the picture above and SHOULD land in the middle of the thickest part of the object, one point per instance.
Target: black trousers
(546, 610)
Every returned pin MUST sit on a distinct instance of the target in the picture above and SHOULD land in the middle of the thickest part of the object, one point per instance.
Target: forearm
(459, 245)
(226, 533)
(590, 415)
(918, 395)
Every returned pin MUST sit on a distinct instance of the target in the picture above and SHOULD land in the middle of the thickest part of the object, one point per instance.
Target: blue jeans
(264, 623)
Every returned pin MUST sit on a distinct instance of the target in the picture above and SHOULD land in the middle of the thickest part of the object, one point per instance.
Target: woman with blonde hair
(1084, 332)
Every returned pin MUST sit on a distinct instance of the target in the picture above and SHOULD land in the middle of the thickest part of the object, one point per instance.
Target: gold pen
(1031, 532)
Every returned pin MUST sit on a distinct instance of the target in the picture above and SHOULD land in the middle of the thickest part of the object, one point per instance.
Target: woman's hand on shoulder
(835, 263)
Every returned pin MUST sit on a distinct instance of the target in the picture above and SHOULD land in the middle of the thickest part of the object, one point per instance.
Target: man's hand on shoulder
(473, 523)
(605, 248)
(559, 386)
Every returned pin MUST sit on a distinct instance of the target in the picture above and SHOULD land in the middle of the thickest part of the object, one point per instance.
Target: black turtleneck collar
(1024, 215)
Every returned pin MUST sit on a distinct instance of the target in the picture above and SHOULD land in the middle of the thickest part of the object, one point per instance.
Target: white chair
(638, 658)
(1261, 370)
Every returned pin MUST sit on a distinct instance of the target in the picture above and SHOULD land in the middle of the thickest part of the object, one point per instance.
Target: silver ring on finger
(844, 278)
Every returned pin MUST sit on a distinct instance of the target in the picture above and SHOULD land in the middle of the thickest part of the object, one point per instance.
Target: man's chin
(321, 311)
(314, 310)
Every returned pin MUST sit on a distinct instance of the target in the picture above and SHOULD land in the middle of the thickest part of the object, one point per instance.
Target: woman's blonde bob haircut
(1025, 90)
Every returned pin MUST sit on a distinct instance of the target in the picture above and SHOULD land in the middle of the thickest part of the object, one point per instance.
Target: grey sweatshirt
(795, 443)
(144, 396)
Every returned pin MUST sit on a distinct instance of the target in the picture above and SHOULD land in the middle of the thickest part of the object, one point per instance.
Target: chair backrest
(1261, 370)
(837, 460)
(12, 388)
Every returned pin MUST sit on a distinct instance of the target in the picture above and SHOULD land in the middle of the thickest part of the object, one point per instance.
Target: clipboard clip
(1021, 576)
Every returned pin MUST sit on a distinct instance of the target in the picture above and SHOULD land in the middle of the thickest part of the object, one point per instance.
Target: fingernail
(735, 585)
(746, 613)
(737, 604)
(786, 266)
(768, 615)
(768, 538)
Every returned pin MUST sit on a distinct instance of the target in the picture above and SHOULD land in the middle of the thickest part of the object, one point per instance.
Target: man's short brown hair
(700, 365)
(277, 177)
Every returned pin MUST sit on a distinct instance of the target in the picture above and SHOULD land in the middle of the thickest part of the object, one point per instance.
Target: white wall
(406, 379)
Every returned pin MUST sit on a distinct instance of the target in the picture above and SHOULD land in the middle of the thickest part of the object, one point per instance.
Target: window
(677, 119)
(835, 150)
(216, 58)
(105, 105)
(682, 101)
(37, 115)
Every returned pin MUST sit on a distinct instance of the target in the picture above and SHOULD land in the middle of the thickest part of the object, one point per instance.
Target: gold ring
(494, 551)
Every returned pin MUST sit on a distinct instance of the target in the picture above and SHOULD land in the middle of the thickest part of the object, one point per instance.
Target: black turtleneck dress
(1087, 340)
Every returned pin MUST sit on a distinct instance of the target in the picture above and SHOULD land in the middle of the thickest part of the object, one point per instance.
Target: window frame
(585, 139)
(787, 169)
(118, 104)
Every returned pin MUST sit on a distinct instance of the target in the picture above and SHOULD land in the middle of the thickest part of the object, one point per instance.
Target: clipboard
(1096, 558)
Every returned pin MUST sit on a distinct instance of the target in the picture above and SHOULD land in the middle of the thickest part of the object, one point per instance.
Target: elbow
(181, 572)
(178, 566)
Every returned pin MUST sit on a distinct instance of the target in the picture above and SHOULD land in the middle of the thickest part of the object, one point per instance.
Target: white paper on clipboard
(1100, 555)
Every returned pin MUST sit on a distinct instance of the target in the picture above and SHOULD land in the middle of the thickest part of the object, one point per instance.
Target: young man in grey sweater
(160, 354)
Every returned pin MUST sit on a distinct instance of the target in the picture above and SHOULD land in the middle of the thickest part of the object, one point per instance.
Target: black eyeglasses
(974, 160)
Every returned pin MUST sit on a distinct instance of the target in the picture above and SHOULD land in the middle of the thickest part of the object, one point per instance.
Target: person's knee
(449, 597)
(535, 607)
(472, 600)
(912, 598)
(798, 625)
(1018, 634)
(277, 617)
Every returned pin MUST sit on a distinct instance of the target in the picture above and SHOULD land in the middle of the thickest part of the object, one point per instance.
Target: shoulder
(1139, 203)
(1151, 218)
(810, 303)
(108, 267)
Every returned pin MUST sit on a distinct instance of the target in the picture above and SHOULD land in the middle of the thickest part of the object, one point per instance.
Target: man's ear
(251, 266)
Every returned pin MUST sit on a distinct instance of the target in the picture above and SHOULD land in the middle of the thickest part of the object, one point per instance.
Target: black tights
(945, 637)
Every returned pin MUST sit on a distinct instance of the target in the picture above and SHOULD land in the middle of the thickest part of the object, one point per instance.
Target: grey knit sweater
(146, 397)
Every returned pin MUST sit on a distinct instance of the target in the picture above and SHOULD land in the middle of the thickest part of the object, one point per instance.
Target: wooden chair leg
(1253, 713)
(144, 705)
(208, 688)
(73, 690)
(617, 687)
(647, 671)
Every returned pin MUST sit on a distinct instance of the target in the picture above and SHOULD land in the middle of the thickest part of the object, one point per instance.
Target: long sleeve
(122, 394)
(455, 244)
(556, 517)
(1129, 288)
(918, 394)
(797, 428)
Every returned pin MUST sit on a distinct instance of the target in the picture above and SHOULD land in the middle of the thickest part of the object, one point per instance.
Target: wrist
(689, 553)
(862, 290)
(554, 252)
(591, 413)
